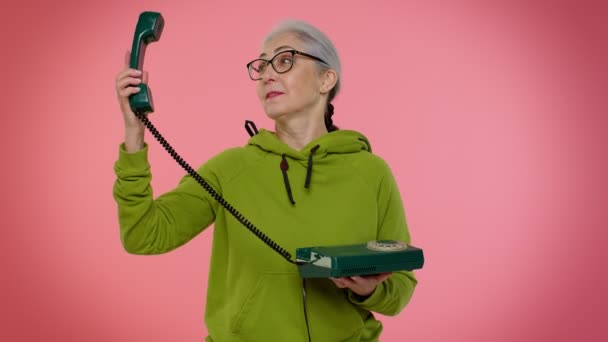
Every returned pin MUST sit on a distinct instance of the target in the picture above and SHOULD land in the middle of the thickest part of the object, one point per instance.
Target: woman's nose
(269, 75)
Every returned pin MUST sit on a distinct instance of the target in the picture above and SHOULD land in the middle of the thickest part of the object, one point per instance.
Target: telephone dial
(313, 262)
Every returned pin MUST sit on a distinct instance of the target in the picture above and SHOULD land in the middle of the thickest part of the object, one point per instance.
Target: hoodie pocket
(274, 311)
(271, 310)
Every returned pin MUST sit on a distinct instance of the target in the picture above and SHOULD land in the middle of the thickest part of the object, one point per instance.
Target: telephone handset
(313, 262)
(149, 28)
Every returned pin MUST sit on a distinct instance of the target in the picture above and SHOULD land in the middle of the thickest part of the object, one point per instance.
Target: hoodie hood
(336, 142)
(341, 141)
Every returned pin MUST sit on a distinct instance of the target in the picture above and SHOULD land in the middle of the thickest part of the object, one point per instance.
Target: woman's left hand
(361, 285)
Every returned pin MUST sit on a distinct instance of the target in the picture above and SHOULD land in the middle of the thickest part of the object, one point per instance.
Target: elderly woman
(306, 183)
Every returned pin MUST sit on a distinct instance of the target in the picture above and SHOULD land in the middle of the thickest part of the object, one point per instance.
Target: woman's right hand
(127, 82)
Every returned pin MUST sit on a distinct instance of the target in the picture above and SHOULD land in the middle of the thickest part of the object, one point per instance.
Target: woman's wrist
(134, 139)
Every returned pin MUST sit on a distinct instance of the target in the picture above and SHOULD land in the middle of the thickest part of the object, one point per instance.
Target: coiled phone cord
(284, 253)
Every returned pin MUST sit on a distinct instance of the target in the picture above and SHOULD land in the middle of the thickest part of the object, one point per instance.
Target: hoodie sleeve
(392, 295)
(149, 226)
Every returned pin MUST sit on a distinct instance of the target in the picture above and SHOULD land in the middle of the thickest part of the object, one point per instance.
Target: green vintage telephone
(313, 262)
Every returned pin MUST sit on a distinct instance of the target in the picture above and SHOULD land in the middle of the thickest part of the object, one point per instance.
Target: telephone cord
(305, 310)
(238, 216)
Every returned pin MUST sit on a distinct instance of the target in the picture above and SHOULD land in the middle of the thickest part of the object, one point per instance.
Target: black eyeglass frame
(270, 61)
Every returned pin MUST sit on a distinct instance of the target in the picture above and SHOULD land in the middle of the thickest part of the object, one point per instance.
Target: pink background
(492, 117)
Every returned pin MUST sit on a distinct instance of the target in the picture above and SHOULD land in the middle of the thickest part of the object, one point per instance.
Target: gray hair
(317, 44)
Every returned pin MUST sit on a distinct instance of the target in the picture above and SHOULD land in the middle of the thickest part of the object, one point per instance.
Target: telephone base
(360, 259)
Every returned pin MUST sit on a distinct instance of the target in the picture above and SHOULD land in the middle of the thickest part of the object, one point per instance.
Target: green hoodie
(253, 293)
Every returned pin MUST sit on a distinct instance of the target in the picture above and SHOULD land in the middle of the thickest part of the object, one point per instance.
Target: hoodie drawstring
(284, 168)
(251, 128)
(309, 169)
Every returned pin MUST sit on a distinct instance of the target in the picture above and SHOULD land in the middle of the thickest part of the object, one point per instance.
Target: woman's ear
(330, 78)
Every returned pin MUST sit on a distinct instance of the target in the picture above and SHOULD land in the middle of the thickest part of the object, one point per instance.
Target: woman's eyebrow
(277, 49)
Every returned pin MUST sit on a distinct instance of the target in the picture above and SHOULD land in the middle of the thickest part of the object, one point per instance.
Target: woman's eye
(285, 60)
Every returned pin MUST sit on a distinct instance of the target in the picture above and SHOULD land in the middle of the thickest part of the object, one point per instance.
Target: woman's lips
(273, 94)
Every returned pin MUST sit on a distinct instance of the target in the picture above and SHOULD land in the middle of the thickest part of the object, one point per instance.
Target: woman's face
(295, 91)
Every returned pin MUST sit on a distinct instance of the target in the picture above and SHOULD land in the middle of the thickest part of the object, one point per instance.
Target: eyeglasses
(282, 62)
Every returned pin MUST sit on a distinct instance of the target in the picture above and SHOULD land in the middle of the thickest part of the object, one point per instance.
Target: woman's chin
(274, 114)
